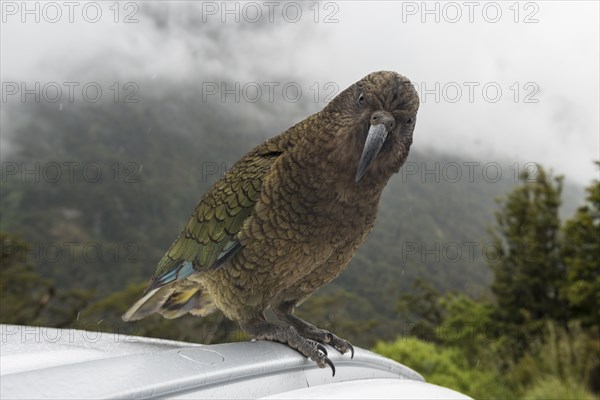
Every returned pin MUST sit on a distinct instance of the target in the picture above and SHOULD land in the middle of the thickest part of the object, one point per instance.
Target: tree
(26, 298)
(528, 270)
(23, 293)
(581, 253)
(423, 304)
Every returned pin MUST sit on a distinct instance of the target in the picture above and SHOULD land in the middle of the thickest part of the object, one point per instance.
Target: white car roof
(43, 363)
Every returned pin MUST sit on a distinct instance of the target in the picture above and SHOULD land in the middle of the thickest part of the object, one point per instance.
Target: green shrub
(553, 387)
(445, 366)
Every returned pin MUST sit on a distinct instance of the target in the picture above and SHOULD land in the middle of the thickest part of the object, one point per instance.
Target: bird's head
(375, 122)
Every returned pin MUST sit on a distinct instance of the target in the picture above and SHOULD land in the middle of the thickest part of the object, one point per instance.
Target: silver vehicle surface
(42, 363)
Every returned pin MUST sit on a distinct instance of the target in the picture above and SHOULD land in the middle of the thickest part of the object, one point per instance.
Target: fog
(517, 81)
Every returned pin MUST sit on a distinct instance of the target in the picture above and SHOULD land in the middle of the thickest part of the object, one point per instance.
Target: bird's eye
(361, 99)
(410, 120)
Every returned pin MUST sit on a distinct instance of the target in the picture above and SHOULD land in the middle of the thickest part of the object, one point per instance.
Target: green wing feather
(211, 231)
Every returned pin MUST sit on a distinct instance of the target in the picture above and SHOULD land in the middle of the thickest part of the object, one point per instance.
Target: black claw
(328, 361)
(351, 351)
(322, 348)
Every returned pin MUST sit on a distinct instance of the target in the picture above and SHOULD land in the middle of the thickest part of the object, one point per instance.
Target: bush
(554, 388)
(445, 366)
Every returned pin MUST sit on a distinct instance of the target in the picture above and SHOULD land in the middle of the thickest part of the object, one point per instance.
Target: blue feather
(182, 271)
(186, 268)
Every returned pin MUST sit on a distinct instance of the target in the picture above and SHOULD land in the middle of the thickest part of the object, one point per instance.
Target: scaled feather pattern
(287, 218)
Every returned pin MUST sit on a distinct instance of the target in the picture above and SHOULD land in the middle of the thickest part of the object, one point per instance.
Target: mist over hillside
(272, 55)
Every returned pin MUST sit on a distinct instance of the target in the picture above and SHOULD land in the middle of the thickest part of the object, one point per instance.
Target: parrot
(287, 218)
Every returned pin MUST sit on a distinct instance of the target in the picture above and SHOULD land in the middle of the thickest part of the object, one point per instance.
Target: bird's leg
(284, 311)
(287, 334)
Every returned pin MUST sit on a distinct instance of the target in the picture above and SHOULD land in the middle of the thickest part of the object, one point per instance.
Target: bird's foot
(289, 335)
(323, 336)
(310, 331)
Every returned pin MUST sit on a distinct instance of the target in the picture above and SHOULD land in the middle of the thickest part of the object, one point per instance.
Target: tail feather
(172, 301)
(193, 301)
(149, 303)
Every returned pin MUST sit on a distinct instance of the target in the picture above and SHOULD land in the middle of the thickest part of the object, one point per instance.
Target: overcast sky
(497, 80)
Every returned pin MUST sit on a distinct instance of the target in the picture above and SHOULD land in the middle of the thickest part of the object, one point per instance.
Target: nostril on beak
(384, 118)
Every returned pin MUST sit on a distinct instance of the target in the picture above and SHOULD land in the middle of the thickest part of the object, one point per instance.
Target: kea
(287, 218)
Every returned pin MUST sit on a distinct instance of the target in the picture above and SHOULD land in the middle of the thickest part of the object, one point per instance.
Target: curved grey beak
(375, 138)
